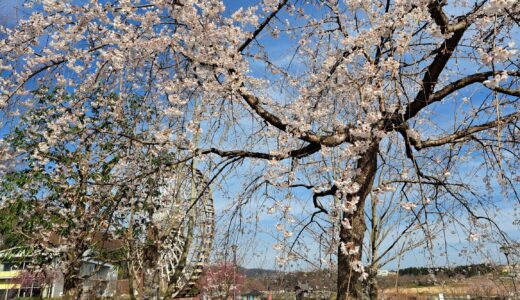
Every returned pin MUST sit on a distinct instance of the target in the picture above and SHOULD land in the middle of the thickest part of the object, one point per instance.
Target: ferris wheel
(186, 249)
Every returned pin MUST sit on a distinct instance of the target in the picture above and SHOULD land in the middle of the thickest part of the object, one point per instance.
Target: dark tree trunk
(373, 288)
(151, 280)
(350, 285)
(71, 293)
(72, 282)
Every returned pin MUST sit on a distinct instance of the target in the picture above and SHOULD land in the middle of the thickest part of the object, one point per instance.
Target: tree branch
(510, 92)
(342, 135)
(262, 26)
(468, 80)
(462, 135)
(432, 74)
(297, 153)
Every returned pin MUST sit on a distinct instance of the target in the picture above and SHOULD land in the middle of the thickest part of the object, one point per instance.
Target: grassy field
(480, 286)
(424, 288)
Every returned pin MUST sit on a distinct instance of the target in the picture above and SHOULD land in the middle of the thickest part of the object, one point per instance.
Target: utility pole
(234, 249)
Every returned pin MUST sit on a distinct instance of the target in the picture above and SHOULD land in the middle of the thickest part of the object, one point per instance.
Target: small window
(7, 266)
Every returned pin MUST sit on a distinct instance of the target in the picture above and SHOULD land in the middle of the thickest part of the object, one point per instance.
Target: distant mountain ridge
(258, 272)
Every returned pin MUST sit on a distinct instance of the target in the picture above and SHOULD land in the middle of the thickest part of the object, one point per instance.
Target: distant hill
(278, 280)
(256, 272)
(466, 270)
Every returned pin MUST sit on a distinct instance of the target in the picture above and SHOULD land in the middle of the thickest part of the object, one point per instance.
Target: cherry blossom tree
(426, 89)
(220, 280)
(74, 200)
(67, 194)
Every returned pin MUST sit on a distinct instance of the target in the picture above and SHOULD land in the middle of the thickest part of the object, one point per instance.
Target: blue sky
(9, 11)
(262, 254)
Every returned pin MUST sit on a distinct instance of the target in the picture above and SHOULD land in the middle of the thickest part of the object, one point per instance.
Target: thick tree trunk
(373, 288)
(350, 285)
(71, 294)
(72, 281)
(151, 279)
(71, 287)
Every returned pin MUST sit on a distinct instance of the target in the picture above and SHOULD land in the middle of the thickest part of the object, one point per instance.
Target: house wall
(102, 279)
(56, 288)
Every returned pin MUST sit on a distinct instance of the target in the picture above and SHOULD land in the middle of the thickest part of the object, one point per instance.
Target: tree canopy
(324, 101)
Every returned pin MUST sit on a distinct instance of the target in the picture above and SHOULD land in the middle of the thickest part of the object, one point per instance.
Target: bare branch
(262, 26)
(298, 153)
(463, 135)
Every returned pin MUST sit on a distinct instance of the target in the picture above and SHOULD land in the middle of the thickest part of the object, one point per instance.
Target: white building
(16, 280)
